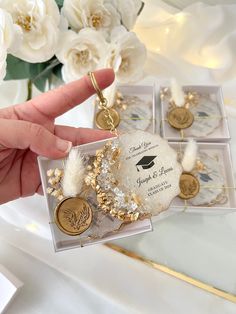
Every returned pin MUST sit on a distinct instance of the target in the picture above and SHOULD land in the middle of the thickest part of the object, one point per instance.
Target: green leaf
(38, 73)
(17, 69)
(60, 2)
(45, 70)
(41, 83)
(36, 69)
(57, 71)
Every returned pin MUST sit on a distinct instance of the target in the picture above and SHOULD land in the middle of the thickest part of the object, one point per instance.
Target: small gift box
(97, 225)
(214, 172)
(134, 107)
(202, 116)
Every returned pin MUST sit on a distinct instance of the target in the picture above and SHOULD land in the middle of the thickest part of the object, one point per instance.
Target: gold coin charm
(73, 216)
(102, 119)
(189, 186)
(180, 118)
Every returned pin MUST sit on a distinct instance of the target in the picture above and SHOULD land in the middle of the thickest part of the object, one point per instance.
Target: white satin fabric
(196, 45)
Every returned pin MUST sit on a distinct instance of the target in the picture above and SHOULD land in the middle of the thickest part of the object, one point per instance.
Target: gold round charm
(73, 216)
(189, 186)
(180, 118)
(102, 119)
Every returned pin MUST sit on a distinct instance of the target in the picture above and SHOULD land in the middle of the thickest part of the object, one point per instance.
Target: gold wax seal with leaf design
(189, 186)
(73, 216)
(180, 118)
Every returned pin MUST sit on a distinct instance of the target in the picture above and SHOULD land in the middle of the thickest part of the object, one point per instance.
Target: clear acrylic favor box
(104, 228)
(210, 121)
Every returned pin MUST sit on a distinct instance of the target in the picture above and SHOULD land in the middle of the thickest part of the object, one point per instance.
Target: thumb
(23, 134)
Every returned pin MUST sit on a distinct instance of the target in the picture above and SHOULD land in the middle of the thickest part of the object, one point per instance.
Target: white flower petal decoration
(38, 22)
(127, 55)
(74, 172)
(129, 10)
(8, 39)
(99, 14)
(177, 94)
(8, 31)
(3, 64)
(190, 156)
(81, 52)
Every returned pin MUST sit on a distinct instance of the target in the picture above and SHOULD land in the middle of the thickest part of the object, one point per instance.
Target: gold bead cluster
(164, 93)
(54, 180)
(191, 99)
(106, 198)
(120, 102)
(200, 166)
(109, 198)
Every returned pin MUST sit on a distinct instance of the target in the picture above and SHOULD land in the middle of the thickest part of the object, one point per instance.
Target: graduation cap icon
(146, 162)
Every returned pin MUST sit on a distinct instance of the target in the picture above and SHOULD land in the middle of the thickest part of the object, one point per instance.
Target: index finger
(58, 101)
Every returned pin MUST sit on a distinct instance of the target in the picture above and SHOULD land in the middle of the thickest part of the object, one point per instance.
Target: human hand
(28, 130)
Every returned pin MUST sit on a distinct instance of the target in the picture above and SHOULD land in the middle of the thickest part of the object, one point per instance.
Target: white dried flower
(38, 21)
(50, 172)
(99, 14)
(127, 55)
(177, 94)
(81, 53)
(50, 190)
(58, 172)
(74, 173)
(190, 156)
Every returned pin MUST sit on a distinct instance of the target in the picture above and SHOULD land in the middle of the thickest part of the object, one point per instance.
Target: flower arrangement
(40, 39)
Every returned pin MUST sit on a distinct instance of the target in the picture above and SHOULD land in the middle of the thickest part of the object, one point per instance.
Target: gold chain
(103, 103)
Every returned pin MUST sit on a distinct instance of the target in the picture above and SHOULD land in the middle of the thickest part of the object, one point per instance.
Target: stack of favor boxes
(148, 108)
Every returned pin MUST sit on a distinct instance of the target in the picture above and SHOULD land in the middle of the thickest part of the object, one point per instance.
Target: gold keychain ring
(97, 88)
(106, 118)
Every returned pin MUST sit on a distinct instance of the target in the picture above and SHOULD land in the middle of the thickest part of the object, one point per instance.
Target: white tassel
(190, 156)
(74, 173)
(110, 94)
(177, 94)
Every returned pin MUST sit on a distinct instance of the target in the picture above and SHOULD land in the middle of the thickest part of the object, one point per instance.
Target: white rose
(39, 24)
(127, 55)
(81, 52)
(8, 37)
(99, 14)
(3, 64)
(128, 9)
(8, 30)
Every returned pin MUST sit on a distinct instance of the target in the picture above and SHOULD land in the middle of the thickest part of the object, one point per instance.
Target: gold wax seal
(73, 216)
(180, 118)
(189, 186)
(102, 119)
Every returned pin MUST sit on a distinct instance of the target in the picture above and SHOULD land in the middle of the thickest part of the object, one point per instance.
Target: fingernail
(63, 146)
